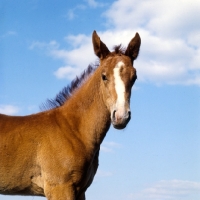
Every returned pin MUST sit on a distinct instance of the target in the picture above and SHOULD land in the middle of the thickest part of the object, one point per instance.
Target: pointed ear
(100, 49)
(133, 48)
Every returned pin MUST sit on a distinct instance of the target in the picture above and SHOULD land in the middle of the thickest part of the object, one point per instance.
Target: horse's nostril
(129, 114)
(114, 114)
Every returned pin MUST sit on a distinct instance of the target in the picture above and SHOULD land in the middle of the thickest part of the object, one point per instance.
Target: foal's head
(117, 78)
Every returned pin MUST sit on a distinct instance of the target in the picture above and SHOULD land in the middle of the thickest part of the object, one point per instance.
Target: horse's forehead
(118, 62)
(119, 65)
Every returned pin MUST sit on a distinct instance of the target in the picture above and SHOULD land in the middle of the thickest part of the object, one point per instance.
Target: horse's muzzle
(120, 119)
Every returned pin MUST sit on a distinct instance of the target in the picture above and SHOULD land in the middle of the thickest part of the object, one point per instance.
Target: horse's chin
(119, 126)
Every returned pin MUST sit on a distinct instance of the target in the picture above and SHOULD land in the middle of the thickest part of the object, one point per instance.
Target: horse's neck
(87, 112)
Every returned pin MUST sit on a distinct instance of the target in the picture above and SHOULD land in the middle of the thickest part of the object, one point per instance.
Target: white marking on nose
(119, 85)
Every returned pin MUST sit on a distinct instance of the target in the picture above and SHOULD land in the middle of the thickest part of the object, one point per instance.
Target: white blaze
(119, 86)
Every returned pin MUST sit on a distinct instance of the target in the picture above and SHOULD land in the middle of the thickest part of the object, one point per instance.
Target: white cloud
(170, 38)
(43, 45)
(94, 4)
(169, 61)
(66, 72)
(170, 49)
(71, 14)
(109, 147)
(9, 109)
(75, 60)
(169, 190)
(163, 18)
(78, 40)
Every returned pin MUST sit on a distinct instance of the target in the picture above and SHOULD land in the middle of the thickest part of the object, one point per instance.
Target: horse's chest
(84, 177)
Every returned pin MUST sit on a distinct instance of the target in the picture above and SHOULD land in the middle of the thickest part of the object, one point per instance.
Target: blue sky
(45, 44)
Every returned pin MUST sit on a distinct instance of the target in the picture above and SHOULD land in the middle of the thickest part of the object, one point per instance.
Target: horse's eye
(133, 79)
(104, 78)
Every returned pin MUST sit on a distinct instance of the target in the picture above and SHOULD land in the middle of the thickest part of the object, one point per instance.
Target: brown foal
(54, 153)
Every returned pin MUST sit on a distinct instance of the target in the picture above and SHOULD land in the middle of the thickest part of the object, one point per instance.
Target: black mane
(67, 91)
(119, 49)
